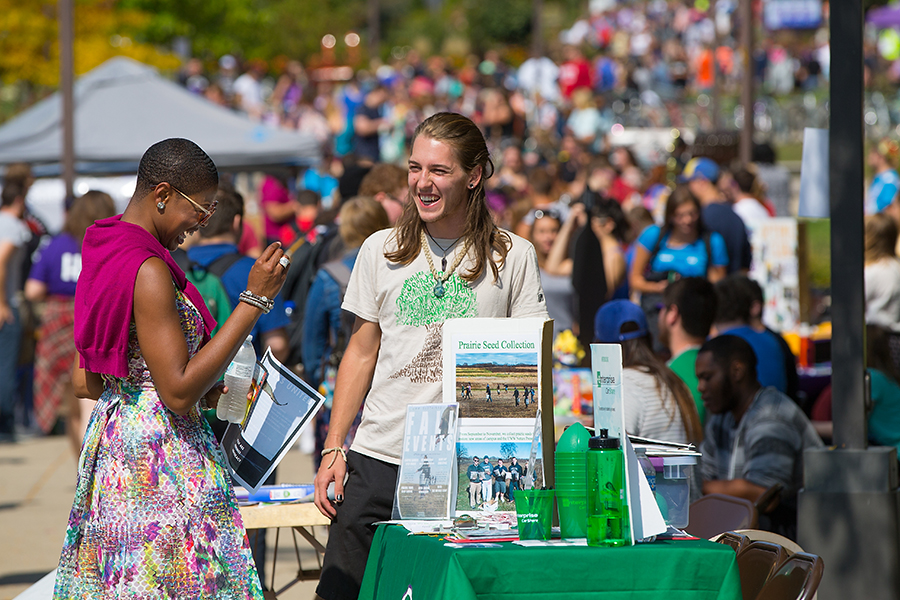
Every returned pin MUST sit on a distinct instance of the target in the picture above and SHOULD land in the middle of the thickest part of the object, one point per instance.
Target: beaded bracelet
(261, 302)
(337, 450)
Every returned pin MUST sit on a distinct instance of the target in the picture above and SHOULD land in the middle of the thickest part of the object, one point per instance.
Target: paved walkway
(37, 483)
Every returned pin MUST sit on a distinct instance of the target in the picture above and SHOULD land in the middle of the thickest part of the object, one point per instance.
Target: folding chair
(796, 578)
(753, 535)
(756, 563)
(732, 538)
(713, 514)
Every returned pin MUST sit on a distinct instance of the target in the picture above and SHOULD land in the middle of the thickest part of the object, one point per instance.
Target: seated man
(755, 436)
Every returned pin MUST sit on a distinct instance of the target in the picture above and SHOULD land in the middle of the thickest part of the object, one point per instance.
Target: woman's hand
(268, 274)
(577, 215)
(212, 396)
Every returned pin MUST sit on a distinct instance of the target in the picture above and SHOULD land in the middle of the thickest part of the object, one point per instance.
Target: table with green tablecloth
(420, 567)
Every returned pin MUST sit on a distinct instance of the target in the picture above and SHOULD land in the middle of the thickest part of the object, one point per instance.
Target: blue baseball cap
(700, 168)
(615, 313)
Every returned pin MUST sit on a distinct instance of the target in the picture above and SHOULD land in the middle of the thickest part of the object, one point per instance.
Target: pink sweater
(111, 255)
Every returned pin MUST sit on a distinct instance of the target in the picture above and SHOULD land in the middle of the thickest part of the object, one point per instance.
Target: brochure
(282, 406)
(426, 483)
(499, 372)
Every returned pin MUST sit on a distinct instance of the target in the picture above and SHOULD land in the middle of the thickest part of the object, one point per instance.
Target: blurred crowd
(651, 63)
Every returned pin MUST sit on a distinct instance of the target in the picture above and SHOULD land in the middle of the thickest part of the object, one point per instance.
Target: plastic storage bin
(673, 487)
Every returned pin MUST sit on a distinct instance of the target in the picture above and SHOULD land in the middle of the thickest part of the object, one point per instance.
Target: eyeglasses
(207, 213)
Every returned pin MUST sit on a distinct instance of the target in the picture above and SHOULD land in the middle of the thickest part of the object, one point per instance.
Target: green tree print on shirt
(417, 306)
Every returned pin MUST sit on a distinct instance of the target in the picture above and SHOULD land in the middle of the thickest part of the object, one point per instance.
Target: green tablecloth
(670, 570)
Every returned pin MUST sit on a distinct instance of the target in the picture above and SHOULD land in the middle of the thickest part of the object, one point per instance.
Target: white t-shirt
(883, 294)
(646, 415)
(401, 299)
(15, 231)
(750, 211)
(249, 89)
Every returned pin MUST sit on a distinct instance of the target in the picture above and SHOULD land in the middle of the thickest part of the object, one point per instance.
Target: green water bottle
(607, 518)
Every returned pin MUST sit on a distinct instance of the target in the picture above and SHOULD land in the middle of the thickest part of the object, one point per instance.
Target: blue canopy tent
(123, 107)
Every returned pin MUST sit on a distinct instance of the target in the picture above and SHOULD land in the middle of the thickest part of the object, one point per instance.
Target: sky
(497, 358)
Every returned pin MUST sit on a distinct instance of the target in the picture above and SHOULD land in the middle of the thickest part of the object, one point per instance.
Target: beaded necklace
(442, 277)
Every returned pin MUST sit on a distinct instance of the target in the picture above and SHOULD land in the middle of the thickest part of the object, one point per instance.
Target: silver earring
(161, 205)
(471, 186)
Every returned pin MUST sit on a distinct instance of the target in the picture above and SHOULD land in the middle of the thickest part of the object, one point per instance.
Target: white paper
(814, 174)
(646, 518)
(284, 406)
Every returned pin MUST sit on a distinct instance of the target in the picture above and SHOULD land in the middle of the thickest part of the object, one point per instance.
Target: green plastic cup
(572, 514)
(534, 511)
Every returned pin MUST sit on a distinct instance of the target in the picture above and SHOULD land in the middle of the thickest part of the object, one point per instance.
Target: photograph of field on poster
(497, 384)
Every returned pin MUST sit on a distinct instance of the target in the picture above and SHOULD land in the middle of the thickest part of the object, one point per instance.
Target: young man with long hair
(444, 258)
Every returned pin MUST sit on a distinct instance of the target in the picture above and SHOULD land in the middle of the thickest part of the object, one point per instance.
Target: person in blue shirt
(884, 414)
(219, 238)
(326, 327)
(678, 248)
(733, 314)
(883, 159)
(682, 247)
(701, 175)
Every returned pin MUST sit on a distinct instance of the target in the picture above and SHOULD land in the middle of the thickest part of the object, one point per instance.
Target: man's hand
(6, 314)
(332, 470)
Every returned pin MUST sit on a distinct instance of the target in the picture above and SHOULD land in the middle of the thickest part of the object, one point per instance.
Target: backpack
(208, 281)
(306, 258)
(340, 272)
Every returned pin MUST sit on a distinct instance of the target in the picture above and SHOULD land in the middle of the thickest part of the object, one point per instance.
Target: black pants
(368, 497)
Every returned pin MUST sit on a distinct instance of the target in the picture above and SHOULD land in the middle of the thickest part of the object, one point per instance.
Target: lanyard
(737, 435)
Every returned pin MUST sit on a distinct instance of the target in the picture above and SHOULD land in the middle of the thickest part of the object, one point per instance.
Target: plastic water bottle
(607, 510)
(238, 377)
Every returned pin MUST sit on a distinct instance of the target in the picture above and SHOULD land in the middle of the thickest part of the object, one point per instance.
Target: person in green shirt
(685, 318)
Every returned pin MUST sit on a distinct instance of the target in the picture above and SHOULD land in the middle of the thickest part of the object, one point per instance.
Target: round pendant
(439, 289)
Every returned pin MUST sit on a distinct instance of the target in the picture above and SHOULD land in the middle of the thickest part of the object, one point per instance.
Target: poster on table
(426, 482)
(498, 371)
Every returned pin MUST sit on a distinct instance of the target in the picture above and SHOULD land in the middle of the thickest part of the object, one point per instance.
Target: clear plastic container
(238, 376)
(673, 487)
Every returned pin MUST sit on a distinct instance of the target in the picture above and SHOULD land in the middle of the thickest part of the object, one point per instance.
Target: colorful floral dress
(154, 514)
